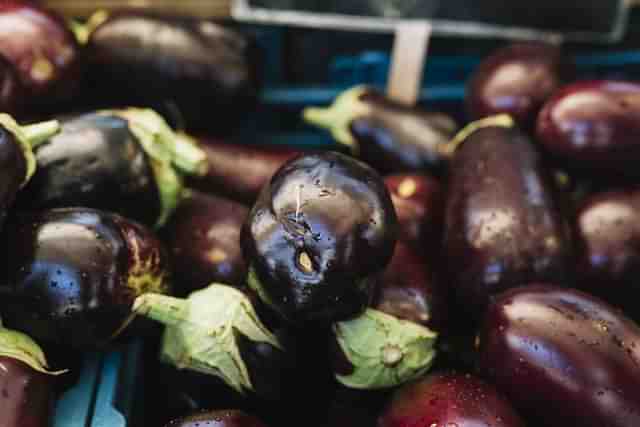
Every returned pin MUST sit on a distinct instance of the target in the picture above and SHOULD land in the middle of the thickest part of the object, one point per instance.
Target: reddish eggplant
(503, 225)
(229, 418)
(419, 204)
(70, 276)
(389, 136)
(575, 357)
(517, 80)
(594, 127)
(449, 399)
(239, 171)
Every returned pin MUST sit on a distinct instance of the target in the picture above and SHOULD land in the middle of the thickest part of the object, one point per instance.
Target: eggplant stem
(500, 120)
(39, 133)
(164, 309)
(83, 31)
(188, 158)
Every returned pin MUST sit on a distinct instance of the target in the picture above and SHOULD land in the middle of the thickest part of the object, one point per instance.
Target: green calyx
(255, 285)
(384, 350)
(83, 31)
(338, 117)
(16, 345)
(499, 120)
(29, 137)
(171, 155)
(201, 331)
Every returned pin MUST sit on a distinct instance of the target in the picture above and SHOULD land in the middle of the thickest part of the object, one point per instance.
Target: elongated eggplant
(390, 137)
(43, 53)
(229, 418)
(502, 225)
(70, 276)
(419, 204)
(517, 80)
(203, 236)
(593, 127)
(449, 399)
(319, 232)
(209, 72)
(17, 162)
(576, 356)
(239, 171)
(125, 161)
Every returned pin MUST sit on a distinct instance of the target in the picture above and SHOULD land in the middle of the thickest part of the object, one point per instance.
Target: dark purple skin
(419, 204)
(563, 357)
(593, 127)
(517, 80)
(12, 92)
(502, 224)
(320, 231)
(203, 237)
(239, 171)
(68, 275)
(13, 170)
(607, 230)
(449, 399)
(26, 396)
(229, 418)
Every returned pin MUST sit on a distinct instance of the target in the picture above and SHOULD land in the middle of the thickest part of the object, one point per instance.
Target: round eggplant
(594, 128)
(449, 399)
(320, 231)
(229, 418)
(563, 357)
(502, 223)
(389, 136)
(517, 80)
(70, 276)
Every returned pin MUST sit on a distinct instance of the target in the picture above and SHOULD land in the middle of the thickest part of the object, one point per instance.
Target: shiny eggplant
(607, 230)
(209, 72)
(419, 204)
(562, 357)
(43, 54)
(320, 231)
(203, 236)
(517, 80)
(503, 225)
(228, 418)
(125, 161)
(17, 161)
(70, 276)
(389, 136)
(593, 127)
(450, 399)
(239, 171)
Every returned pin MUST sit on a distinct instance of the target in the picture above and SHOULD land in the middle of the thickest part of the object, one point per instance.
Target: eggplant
(503, 225)
(350, 408)
(592, 128)
(419, 204)
(43, 55)
(125, 161)
(70, 276)
(13, 94)
(391, 137)
(17, 161)
(449, 399)
(576, 357)
(210, 73)
(239, 171)
(228, 418)
(203, 237)
(517, 80)
(320, 230)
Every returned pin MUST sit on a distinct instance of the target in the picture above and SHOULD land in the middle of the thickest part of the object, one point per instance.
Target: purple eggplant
(449, 399)
(563, 357)
(229, 418)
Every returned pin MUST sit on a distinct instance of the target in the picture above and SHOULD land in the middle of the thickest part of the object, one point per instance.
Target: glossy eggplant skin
(517, 80)
(70, 276)
(419, 204)
(209, 72)
(13, 170)
(26, 396)
(593, 127)
(239, 171)
(576, 356)
(502, 223)
(607, 230)
(203, 237)
(228, 418)
(449, 399)
(96, 162)
(319, 232)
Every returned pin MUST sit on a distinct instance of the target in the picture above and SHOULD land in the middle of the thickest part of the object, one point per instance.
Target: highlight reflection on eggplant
(228, 418)
(70, 276)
